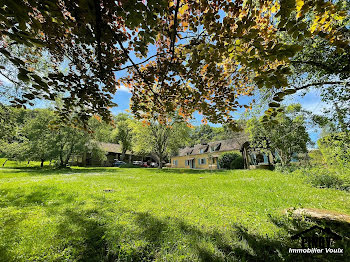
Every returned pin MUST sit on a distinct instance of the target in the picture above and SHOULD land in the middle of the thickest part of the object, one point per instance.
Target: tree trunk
(122, 157)
(160, 163)
(42, 163)
(68, 156)
(4, 163)
(28, 162)
(61, 160)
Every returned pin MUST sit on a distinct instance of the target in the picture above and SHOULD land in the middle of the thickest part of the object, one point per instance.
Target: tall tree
(40, 139)
(159, 140)
(122, 133)
(286, 136)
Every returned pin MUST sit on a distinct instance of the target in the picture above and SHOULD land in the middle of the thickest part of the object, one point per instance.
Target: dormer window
(189, 152)
(215, 147)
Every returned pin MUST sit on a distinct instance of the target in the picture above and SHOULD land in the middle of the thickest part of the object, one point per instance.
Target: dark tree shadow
(45, 171)
(94, 236)
(189, 171)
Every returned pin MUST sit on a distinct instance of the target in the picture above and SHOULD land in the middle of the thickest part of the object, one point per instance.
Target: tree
(101, 130)
(160, 140)
(232, 55)
(335, 149)
(39, 135)
(285, 136)
(40, 139)
(12, 141)
(12, 151)
(122, 134)
(208, 52)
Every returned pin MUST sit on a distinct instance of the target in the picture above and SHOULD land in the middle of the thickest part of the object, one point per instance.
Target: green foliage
(101, 130)
(39, 135)
(287, 169)
(206, 133)
(158, 139)
(237, 163)
(226, 160)
(41, 140)
(179, 76)
(316, 157)
(335, 149)
(122, 134)
(326, 178)
(286, 135)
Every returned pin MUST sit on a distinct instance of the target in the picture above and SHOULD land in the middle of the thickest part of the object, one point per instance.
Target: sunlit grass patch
(106, 214)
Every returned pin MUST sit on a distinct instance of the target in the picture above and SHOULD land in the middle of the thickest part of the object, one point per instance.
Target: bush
(286, 168)
(335, 149)
(129, 166)
(326, 178)
(237, 163)
(226, 159)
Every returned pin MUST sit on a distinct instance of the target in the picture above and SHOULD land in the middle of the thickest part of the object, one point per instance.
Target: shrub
(286, 168)
(335, 149)
(226, 159)
(326, 178)
(237, 163)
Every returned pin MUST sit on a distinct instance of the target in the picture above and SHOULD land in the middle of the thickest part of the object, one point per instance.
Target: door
(192, 163)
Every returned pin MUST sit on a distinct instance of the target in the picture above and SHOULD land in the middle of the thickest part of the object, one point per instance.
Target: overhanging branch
(322, 83)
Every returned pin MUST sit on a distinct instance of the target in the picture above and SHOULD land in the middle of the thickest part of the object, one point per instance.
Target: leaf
(183, 9)
(274, 104)
(299, 4)
(185, 25)
(290, 91)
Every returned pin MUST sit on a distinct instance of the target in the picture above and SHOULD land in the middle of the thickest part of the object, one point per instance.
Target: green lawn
(115, 214)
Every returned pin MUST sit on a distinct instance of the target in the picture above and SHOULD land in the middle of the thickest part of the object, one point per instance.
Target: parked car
(118, 163)
(137, 163)
(145, 164)
(154, 164)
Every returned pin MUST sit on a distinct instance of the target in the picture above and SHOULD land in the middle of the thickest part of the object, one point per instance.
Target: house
(206, 155)
(113, 153)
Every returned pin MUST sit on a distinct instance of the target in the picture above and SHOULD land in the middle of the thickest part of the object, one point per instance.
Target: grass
(113, 214)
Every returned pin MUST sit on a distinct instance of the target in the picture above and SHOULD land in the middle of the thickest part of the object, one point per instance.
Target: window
(202, 161)
(186, 162)
(215, 147)
(203, 150)
(175, 162)
(189, 152)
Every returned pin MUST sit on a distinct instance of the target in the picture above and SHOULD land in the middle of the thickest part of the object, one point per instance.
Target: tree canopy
(287, 137)
(208, 53)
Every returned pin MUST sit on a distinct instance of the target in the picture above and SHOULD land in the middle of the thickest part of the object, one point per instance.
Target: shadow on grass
(41, 196)
(189, 171)
(37, 171)
(89, 234)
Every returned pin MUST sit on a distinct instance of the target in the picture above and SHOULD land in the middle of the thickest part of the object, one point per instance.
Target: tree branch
(140, 63)
(172, 45)
(137, 68)
(321, 83)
